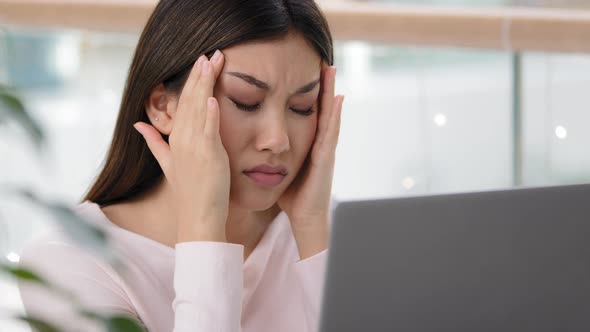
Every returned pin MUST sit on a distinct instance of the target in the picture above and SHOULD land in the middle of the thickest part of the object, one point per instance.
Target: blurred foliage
(84, 232)
(11, 108)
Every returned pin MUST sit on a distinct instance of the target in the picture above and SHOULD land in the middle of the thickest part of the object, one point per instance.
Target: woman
(219, 199)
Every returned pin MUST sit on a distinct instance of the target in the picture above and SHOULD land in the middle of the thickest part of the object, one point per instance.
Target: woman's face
(268, 96)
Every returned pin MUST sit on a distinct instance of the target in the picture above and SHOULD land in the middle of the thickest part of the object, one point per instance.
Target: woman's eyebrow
(264, 86)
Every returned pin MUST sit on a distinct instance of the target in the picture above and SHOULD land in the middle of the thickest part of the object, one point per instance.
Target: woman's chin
(254, 201)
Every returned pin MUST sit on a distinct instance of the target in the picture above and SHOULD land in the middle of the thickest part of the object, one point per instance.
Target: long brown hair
(176, 34)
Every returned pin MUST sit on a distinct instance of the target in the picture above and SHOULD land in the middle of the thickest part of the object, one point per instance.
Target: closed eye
(252, 108)
(247, 108)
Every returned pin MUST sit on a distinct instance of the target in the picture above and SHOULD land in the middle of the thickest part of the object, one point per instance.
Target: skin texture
(205, 195)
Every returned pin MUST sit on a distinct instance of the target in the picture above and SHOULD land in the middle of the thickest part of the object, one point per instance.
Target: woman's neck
(152, 216)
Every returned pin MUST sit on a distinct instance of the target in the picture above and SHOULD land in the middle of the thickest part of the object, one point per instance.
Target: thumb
(159, 148)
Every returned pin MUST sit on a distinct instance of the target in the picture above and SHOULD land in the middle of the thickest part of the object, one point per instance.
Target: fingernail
(200, 61)
(206, 67)
(216, 56)
(136, 126)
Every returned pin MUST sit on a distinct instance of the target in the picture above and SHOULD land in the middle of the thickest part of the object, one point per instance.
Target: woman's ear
(160, 108)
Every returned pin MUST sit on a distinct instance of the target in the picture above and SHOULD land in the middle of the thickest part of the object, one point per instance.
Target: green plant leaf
(84, 232)
(79, 228)
(115, 323)
(76, 226)
(12, 107)
(120, 323)
(38, 324)
(90, 314)
(23, 274)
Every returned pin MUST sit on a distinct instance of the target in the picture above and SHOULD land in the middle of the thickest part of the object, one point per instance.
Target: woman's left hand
(307, 200)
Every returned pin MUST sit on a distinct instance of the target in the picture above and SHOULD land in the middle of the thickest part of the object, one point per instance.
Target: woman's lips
(267, 180)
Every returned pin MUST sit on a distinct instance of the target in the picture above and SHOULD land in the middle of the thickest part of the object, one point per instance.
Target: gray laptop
(512, 260)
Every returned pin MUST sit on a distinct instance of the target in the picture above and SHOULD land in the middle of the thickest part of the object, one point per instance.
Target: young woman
(216, 188)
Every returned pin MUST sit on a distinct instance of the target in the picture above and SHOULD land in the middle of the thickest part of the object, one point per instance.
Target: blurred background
(422, 115)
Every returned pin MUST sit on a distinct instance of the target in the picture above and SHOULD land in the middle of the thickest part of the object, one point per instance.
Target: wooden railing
(515, 29)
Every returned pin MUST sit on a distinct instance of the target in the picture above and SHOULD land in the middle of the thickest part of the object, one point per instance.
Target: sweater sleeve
(78, 273)
(310, 273)
(208, 281)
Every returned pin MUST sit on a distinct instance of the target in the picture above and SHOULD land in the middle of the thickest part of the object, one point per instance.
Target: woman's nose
(273, 135)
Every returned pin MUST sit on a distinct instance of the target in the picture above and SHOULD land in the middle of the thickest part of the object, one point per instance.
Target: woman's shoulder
(67, 265)
(54, 248)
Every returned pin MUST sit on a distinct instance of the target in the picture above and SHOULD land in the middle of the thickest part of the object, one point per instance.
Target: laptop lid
(509, 260)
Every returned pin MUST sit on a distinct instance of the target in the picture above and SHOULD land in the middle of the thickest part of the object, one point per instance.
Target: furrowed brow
(264, 86)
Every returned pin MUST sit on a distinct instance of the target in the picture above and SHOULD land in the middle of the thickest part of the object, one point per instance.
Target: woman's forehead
(286, 63)
(292, 51)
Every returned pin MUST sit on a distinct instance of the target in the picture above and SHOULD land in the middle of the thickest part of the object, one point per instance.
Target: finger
(326, 102)
(199, 97)
(194, 74)
(159, 148)
(193, 77)
(204, 89)
(211, 130)
(218, 60)
(334, 126)
(184, 101)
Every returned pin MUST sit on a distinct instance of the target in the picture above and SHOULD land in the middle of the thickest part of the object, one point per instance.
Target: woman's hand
(195, 164)
(307, 200)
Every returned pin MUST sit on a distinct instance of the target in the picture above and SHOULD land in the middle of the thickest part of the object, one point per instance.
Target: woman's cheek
(314, 127)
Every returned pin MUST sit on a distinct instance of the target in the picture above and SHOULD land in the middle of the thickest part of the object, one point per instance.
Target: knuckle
(208, 136)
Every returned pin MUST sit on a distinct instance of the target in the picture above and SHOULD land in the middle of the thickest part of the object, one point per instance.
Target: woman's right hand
(195, 163)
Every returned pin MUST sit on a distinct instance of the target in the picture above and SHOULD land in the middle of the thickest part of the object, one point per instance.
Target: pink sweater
(197, 287)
